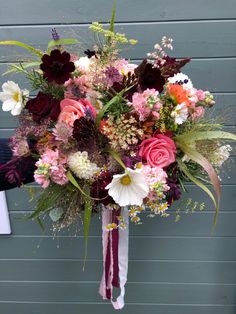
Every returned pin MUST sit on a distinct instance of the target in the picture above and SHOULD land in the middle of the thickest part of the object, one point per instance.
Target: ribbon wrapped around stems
(115, 256)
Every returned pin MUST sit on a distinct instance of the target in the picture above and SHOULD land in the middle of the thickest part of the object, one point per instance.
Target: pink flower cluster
(51, 166)
(146, 103)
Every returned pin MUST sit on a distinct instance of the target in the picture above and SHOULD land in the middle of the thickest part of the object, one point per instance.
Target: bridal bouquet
(111, 137)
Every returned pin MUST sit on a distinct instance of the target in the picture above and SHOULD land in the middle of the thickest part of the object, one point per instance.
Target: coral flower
(179, 94)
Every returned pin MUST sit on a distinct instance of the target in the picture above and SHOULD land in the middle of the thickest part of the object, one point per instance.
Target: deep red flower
(57, 66)
(98, 189)
(43, 106)
(17, 171)
(173, 66)
(149, 76)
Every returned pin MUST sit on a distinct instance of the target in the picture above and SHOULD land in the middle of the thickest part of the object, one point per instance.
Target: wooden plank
(105, 308)
(79, 11)
(139, 271)
(199, 39)
(206, 74)
(161, 248)
(197, 224)
(143, 292)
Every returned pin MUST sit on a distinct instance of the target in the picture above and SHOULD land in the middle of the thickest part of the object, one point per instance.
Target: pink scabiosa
(62, 132)
(20, 148)
(112, 76)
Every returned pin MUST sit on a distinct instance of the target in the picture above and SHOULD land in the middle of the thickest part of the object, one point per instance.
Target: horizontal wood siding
(175, 267)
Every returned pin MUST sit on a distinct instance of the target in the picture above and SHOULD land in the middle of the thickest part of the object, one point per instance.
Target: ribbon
(115, 256)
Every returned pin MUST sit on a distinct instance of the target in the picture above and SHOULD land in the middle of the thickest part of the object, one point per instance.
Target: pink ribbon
(115, 256)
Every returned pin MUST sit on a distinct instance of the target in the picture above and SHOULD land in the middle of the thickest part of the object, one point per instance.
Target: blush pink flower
(51, 167)
(20, 148)
(158, 151)
(124, 67)
(42, 180)
(58, 174)
(71, 110)
(154, 175)
(198, 113)
(146, 103)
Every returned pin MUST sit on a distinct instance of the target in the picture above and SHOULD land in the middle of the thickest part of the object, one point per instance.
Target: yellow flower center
(125, 180)
(16, 96)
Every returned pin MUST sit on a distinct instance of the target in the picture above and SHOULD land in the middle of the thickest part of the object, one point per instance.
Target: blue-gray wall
(175, 268)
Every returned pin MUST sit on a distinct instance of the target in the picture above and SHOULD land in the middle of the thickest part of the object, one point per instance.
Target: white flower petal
(16, 111)
(130, 194)
(10, 87)
(8, 105)
(4, 96)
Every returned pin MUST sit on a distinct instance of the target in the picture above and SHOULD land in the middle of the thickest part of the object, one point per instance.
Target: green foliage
(62, 42)
(47, 200)
(33, 50)
(39, 83)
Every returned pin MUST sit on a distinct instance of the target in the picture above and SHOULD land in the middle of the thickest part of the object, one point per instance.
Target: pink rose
(70, 111)
(158, 151)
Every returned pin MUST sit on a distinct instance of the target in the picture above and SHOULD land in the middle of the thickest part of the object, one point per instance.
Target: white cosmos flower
(13, 97)
(128, 188)
(180, 114)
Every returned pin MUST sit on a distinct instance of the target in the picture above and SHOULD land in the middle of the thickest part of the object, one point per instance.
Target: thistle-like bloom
(13, 97)
(57, 66)
(128, 188)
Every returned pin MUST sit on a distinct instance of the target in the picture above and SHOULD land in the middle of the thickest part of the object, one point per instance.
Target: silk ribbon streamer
(115, 256)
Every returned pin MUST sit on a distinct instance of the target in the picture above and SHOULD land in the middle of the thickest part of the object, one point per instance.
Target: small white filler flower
(180, 114)
(128, 188)
(13, 97)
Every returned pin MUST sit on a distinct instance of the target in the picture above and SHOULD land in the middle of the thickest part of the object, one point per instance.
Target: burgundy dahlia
(57, 66)
(149, 76)
(43, 106)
